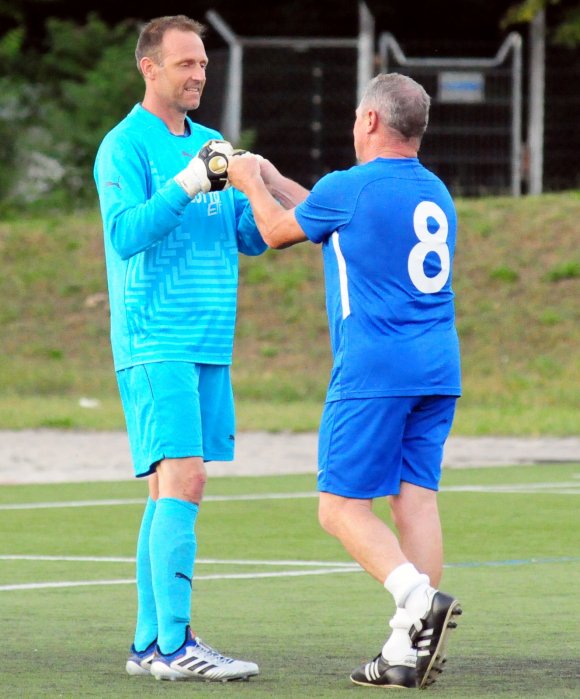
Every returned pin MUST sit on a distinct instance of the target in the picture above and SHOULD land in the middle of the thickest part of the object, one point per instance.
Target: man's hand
(208, 170)
(242, 168)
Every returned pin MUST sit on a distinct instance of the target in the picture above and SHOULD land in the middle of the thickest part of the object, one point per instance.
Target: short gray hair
(401, 103)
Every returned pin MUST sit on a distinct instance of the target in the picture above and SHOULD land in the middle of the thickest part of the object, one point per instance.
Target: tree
(566, 32)
(52, 118)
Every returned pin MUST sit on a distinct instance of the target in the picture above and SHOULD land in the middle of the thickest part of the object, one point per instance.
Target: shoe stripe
(197, 665)
(192, 663)
(207, 669)
(430, 669)
(372, 670)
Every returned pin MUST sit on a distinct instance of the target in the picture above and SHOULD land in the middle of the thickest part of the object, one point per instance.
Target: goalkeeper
(173, 230)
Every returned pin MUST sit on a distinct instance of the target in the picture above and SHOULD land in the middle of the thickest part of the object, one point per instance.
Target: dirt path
(50, 456)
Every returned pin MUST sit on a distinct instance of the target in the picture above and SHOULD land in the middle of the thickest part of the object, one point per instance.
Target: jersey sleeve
(327, 208)
(250, 242)
(133, 219)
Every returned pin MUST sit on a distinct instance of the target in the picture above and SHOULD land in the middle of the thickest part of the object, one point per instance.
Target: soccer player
(387, 228)
(173, 231)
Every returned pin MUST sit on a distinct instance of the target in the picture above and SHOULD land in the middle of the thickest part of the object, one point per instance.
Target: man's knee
(324, 516)
(333, 510)
(183, 479)
(413, 506)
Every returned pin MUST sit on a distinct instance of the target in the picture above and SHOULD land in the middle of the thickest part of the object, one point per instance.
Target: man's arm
(284, 190)
(135, 221)
(277, 225)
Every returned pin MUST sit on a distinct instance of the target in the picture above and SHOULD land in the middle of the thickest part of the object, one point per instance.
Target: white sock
(398, 648)
(411, 589)
(419, 601)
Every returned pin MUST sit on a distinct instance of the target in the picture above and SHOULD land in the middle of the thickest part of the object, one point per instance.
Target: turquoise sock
(146, 629)
(172, 547)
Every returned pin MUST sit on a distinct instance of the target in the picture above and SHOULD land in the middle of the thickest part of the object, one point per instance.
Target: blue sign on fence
(461, 86)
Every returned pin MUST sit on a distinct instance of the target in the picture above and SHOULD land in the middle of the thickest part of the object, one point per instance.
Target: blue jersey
(388, 232)
(172, 262)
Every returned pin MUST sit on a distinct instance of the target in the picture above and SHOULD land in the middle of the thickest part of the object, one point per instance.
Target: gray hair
(400, 102)
(151, 36)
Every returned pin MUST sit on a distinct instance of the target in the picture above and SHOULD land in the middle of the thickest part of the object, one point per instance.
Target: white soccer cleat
(139, 662)
(195, 660)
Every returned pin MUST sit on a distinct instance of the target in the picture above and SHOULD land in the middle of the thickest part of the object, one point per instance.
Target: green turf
(512, 558)
(516, 278)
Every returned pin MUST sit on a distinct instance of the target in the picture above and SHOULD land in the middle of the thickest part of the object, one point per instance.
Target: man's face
(179, 78)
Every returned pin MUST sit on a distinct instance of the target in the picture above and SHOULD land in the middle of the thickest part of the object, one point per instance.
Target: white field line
(340, 568)
(322, 568)
(202, 561)
(140, 501)
(556, 488)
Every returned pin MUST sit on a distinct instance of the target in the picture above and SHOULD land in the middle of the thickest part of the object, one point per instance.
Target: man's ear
(147, 67)
(372, 121)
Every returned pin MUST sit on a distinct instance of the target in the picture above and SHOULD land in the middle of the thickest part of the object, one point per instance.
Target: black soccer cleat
(431, 640)
(378, 673)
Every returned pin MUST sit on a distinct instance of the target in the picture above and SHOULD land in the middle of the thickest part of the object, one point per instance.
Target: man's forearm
(265, 206)
(276, 224)
(287, 192)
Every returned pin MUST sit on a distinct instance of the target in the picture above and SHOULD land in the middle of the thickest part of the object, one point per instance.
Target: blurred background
(284, 80)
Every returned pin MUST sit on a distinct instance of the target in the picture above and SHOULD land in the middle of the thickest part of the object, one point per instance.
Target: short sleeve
(327, 208)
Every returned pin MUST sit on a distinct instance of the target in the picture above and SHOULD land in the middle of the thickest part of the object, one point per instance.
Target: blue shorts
(175, 410)
(367, 447)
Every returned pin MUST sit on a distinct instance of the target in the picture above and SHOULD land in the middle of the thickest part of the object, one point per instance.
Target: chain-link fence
(473, 141)
(297, 108)
(298, 102)
(561, 119)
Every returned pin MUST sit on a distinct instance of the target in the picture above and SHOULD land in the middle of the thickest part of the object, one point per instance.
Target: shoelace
(210, 651)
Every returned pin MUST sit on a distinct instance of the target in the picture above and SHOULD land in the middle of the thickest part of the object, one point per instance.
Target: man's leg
(374, 546)
(180, 654)
(173, 546)
(416, 516)
(364, 535)
(145, 639)
(146, 628)
(419, 606)
(365, 451)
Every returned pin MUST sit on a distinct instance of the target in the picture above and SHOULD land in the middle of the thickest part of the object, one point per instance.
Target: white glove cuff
(189, 182)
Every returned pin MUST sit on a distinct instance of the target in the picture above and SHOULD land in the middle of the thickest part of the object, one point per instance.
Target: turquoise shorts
(175, 410)
(368, 446)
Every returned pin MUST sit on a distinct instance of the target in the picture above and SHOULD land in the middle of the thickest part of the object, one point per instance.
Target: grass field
(517, 284)
(272, 587)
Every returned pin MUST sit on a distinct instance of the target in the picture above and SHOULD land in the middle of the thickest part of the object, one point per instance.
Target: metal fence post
(517, 117)
(366, 44)
(232, 116)
(536, 105)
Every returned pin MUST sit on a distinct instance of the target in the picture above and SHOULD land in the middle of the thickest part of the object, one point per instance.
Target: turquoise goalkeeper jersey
(172, 262)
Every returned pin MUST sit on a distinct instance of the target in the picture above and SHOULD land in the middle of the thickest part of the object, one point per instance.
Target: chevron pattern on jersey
(172, 261)
(182, 293)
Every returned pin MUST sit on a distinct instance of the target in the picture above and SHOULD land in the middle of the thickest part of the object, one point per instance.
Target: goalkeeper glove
(208, 170)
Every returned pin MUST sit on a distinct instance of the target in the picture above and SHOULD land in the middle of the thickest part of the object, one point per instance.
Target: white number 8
(430, 242)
